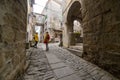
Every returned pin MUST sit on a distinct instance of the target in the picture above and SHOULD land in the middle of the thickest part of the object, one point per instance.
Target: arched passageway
(100, 22)
(73, 25)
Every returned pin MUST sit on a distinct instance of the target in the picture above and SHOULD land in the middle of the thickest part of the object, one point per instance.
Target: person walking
(46, 40)
(36, 40)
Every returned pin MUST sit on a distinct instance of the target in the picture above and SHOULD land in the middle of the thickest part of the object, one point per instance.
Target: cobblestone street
(60, 64)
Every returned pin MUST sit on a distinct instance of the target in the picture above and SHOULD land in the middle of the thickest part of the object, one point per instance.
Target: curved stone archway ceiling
(75, 12)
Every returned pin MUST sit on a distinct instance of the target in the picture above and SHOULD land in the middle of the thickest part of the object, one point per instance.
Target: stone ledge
(76, 52)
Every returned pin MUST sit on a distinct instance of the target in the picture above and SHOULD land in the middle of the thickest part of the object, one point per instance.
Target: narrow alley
(83, 38)
(60, 64)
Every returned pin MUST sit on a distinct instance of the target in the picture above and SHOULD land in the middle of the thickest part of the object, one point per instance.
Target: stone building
(39, 23)
(13, 24)
(100, 20)
(53, 12)
(30, 23)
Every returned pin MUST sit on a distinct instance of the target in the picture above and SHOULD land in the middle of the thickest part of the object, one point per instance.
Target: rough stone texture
(101, 23)
(101, 26)
(12, 37)
(84, 69)
(39, 67)
(72, 67)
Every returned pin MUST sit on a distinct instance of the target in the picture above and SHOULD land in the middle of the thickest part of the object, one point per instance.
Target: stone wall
(13, 19)
(101, 23)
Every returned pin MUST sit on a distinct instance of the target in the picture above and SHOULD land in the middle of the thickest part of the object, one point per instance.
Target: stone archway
(101, 23)
(73, 13)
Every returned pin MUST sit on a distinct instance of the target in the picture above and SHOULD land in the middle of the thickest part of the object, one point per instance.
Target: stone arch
(72, 13)
(66, 11)
(100, 20)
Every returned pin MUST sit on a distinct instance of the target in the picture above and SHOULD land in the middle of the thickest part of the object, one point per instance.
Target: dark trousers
(47, 48)
(36, 42)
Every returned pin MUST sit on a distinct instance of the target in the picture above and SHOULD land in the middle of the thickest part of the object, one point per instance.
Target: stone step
(76, 52)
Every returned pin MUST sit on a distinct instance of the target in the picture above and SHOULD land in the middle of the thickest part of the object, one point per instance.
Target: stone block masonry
(100, 20)
(13, 22)
(101, 23)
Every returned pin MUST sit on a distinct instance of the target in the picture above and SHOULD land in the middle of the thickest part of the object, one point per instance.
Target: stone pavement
(60, 64)
(39, 68)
